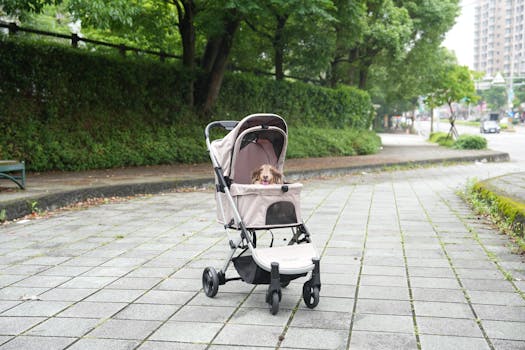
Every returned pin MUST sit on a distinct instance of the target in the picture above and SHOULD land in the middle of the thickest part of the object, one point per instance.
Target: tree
(453, 85)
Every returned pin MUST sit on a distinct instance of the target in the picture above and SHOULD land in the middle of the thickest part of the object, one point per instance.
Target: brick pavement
(405, 265)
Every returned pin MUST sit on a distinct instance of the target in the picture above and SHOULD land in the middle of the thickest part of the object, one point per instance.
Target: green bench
(14, 171)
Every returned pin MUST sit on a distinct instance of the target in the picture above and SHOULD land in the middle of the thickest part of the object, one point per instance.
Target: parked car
(489, 126)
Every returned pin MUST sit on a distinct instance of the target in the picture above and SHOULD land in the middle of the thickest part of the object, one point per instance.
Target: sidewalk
(51, 190)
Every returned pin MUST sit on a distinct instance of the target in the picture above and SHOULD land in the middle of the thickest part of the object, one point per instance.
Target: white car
(489, 126)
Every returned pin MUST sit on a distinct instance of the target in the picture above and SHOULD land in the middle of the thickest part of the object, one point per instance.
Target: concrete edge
(18, 208)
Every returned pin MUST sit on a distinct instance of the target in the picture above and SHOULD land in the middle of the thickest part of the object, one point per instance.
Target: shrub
(470, 142)
(70, 109)
(441, 138)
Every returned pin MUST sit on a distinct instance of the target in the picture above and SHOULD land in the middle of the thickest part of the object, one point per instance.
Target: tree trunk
(215, 60)
(278, 46)
(431, 120)
(186, 16)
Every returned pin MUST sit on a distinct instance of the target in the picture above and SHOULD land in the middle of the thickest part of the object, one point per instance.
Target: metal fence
(13, 28)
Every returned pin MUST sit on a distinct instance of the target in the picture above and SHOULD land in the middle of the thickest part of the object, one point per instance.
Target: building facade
(499, 37)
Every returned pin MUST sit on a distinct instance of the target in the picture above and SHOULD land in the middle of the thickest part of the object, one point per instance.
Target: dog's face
(266, 175)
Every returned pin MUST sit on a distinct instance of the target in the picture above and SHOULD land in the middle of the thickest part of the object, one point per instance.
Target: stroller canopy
(257, 139)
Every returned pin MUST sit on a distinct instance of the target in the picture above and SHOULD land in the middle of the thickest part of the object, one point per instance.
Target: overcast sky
(460, 39)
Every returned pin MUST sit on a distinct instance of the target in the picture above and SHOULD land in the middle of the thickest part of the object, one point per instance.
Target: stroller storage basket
(251, 273)
(264, 206)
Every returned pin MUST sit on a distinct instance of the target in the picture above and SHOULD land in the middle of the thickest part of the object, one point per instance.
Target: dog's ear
(277, 176)
(256, 174)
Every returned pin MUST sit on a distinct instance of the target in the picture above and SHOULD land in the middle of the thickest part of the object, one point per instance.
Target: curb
(18, 208)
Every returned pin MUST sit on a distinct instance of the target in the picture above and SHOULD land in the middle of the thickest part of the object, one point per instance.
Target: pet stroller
(247, 208)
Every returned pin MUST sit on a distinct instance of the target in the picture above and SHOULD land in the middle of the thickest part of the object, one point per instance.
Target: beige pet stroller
(247, 208)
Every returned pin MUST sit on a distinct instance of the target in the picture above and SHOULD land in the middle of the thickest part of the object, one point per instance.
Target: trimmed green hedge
(463, 142)
(70, 109)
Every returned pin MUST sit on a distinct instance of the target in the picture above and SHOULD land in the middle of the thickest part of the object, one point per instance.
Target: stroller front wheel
(274, 303)
(210, 281)
(310, 295)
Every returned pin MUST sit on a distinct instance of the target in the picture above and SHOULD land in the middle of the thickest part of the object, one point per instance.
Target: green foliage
(302, 104)
(495, 96)
(318, 142)
(470, 142)
(463, 142)
(441, 138)
(68, 109)
(507, 213)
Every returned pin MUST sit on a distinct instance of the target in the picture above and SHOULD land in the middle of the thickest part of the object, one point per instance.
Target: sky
(460, 38)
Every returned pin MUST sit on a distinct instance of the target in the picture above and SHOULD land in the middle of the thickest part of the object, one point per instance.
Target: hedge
(72, 109)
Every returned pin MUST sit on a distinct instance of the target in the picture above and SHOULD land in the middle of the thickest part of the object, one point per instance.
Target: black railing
(75, 39)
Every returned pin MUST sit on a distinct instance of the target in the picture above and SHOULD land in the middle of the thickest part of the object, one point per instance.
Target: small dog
(266, 174)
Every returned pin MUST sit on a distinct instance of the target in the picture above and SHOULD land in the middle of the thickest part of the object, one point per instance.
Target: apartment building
(499, 37)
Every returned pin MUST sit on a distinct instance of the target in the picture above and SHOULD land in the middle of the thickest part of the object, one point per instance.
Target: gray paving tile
(157, 345)
(381, 340)
(37, 308)
(4, 339)
(125, 329)
(500, 312)
(65, 327)
(307, 318)
(440, 309)
(18, 293)
(16, 325)
(505, 330)
(443, 295)
(433, 282)
(449, 326)
(151, 312)
(196, 332)
(248, 335)
(438, 342)
(382, 292)
(67, 294)
(496, 298)
(42, 281)
(166, 297)
(115, 295)
(501, 344)
(191, 313)
(141, 283)
(92, 310)
(96, 344)
(384, 323)
(37, 343)
(8, 304)
(313, 338)
(383, 306)
(259, 316)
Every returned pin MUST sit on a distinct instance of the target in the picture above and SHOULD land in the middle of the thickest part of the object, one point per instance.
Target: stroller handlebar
(225, 124)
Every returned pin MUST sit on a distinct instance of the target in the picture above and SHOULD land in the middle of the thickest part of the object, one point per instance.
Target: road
(511, 142)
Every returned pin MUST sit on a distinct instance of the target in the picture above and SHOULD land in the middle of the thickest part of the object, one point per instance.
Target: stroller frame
(266, 265)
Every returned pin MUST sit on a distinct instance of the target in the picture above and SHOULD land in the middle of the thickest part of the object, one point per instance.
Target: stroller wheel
(210, 281)
(310, 295)
(274, 303)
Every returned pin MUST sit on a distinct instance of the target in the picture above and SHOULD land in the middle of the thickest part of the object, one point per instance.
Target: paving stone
(496, 298)
(448, 326)
(196, 332)
(313, 338)
(259, 316)
(501, 344)
(96, 344)
(92, 310)
(384, 307)
(125, 329)
(332, 304)
(157, 345)
(8, 304)
(151, 312)
(381, 340)
(191, 313)
(440, 309)
(490, 285)
(142, 283)
(384, 323)
(115, 295)
(37, 343)
(37, 308)
(65, 327)
(392, 281)
(67, 294)
(437, 295)
(505, 330)
(381, 292)
(306, 318)
(500, 312)
(248, 335)
(18, 293)
(87, 282)
(16, 325)
(433, 282)
(166, 297)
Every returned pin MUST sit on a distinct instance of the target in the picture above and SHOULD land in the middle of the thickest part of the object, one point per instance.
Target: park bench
(14, 171)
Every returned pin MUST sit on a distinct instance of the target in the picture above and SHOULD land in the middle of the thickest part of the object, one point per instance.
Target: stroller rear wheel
(210, 281)
(274, 303)
(310, 294)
